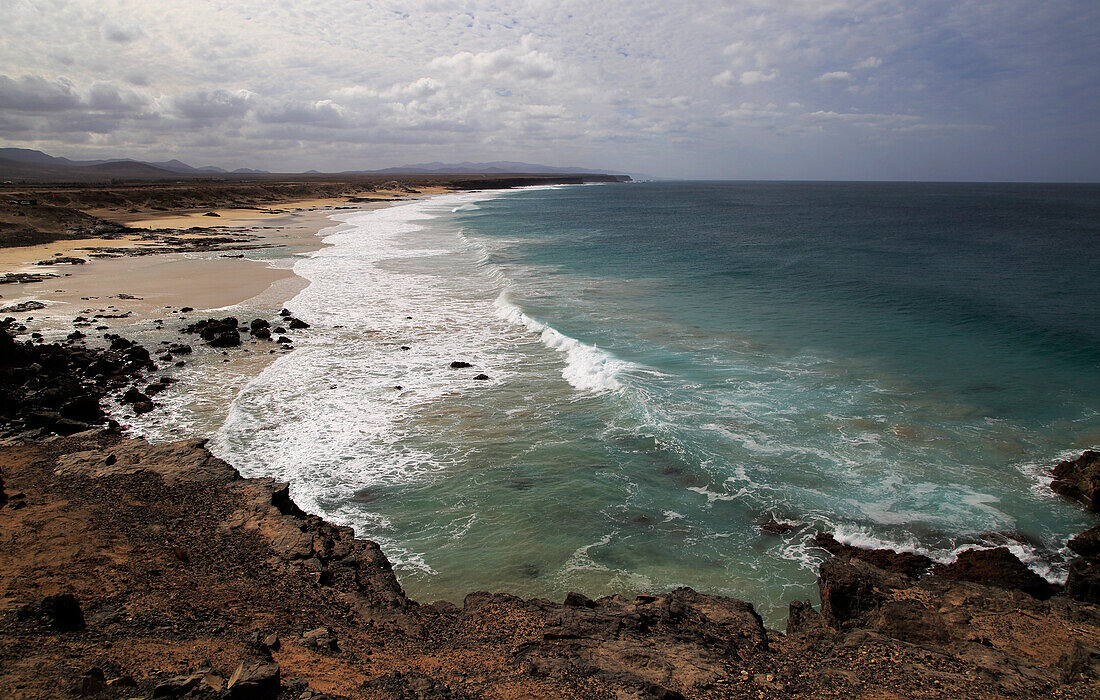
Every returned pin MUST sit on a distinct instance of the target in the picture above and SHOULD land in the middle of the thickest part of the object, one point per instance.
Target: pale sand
(203, 281)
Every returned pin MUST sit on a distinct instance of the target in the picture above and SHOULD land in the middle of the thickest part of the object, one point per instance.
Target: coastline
(187, 574)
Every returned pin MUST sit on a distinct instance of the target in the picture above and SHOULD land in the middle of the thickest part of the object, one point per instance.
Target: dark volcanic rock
(218, 333)
(297, 324)
(1087, 544)
(58, 387)
(24, 307)
(482, 377)
(1080, 479)
(254, 681)
(134, 395)
(996, 567)
(907, 563)
(851, 587)
(60, 612)
(1083, 582)
(459, 364)
(771, 526)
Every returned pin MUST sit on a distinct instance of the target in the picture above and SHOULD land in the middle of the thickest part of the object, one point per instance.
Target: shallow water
(672, 364)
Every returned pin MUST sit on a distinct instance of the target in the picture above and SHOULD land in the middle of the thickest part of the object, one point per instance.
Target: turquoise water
(673, 364)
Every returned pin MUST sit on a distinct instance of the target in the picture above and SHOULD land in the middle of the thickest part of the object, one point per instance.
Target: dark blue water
(674, 364)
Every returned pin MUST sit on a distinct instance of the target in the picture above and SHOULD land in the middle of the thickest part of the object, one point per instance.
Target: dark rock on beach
(218, 333)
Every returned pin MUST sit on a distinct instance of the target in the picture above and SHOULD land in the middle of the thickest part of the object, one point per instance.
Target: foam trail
(586, 367)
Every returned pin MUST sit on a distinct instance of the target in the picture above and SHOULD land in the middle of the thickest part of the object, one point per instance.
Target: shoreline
(185, 574)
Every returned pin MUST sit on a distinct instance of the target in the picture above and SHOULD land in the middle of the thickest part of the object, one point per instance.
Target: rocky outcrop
(905, 563)
(217, 333)
(1079, 479)
(996, 567)
(175, 556)
(57, 387)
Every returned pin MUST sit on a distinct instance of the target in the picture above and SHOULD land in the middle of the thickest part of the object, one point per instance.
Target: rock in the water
(218, 333)
(996, 567)
(21, 308)
(1080, 479)
(254, 681)
(134, 395)
(771, 526)
(143, 407)
(459, 364)
(61, 612)
(482, 377)
(907, 563)
(1087, 544)
(297, 324)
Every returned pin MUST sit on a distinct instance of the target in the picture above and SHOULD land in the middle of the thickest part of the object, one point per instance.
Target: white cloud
(631, 84)
(727, 78)
(836, 77)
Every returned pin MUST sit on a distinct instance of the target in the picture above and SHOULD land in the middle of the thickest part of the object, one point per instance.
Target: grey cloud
(121, 34)
(212, 104)
(35, 94)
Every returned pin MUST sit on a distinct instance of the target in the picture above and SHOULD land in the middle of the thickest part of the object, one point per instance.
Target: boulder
(297, 324)
(996, 567)
(134, 395)
(1083, 582)
(60, 612)
(851, 587)
(320, 638)
(92, 682)
(459, 364)
(1087, 544)
(906, 563)
(1079, 479)
(254, 681)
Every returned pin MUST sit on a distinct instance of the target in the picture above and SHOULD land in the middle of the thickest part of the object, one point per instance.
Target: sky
(734, 89)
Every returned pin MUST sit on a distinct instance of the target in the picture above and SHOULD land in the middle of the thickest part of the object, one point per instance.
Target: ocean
(673, 365)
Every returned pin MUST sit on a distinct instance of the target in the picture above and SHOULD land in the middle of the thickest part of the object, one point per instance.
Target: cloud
(121, 34)
(727, 78)
(628, 84)
(318, 113)
(212, 104)
(35, 94)
(836, 77)
(509, 63)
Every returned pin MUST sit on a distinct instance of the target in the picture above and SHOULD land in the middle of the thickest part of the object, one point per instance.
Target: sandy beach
(145, 286)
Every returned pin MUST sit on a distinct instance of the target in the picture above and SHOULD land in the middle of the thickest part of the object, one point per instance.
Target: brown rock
(996, 567)
(1087, 544)
(1083, 582)
(906, 563)
(1079, 479)
(254, 681)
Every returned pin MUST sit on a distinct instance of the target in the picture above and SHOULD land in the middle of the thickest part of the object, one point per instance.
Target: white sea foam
(586, 366)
